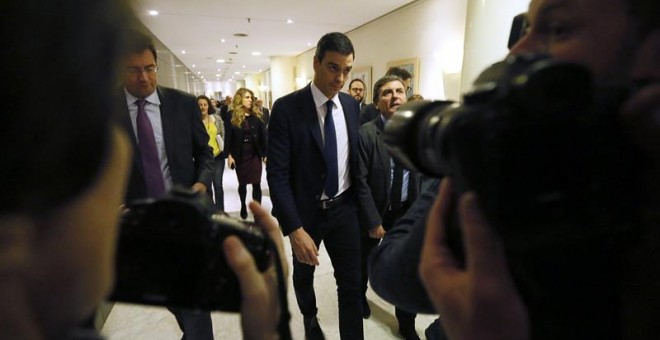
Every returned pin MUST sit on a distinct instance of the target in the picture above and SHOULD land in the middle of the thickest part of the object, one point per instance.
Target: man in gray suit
(170, 145)
(386, 190)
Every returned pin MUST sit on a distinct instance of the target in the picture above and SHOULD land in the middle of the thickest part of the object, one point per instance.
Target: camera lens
(414, 135)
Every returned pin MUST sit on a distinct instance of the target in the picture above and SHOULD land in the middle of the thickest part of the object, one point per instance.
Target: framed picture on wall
(411, 65)
(363, 73)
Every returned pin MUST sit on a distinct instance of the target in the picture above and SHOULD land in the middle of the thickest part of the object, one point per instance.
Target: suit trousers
(368, 244)
(338, 229)
(194, 325)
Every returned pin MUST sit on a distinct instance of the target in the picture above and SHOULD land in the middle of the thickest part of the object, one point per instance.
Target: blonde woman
(246, 142)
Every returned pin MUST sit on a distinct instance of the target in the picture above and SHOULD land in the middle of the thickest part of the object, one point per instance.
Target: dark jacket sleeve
(262, 138)
(278, 166)
(369, 215)
(394, 263)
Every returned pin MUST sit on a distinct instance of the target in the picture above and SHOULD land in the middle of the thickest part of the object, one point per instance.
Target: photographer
(64, 175)
(615, 40)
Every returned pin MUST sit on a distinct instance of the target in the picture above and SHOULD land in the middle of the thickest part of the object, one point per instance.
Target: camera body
(539, 143)
(170, 253)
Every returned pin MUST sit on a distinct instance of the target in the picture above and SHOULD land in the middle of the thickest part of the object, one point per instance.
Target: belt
(333, 202)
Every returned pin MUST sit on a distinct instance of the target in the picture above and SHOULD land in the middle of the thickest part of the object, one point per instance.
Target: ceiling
(198, 27)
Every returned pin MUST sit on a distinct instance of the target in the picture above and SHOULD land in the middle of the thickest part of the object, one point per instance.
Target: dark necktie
(153, 176)
(397, 184)
(330, 153)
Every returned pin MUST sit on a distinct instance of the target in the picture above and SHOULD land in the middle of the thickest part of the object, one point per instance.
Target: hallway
(140, 322)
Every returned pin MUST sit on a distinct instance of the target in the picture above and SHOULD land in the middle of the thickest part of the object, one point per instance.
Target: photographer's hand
(303, 247)
(479, 301)
(260, 307)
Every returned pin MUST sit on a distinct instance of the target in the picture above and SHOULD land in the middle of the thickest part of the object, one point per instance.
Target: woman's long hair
(239, 111)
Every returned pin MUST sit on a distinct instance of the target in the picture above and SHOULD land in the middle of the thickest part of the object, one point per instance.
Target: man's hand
(260, 305)
(230, 162)
(199, 187)
(378, 232)
(304, 247)
(479, 301)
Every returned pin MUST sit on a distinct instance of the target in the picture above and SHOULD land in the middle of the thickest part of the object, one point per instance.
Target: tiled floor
(139, 322)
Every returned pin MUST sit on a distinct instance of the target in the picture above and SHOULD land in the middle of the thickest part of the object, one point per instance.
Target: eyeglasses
(138, 70)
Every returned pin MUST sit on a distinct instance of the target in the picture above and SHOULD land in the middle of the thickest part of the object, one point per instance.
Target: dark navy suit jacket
(296, 167)
(186, 142)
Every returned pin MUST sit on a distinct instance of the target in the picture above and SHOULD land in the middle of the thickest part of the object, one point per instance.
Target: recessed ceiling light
(218, 70)
(220, 61)
(309, 44)
(153, 13)
(289, 21)
(183, 51)
(256, 53)
(218, 75)
(243, 66)
(194, 65)
(237, 73)
(222, 40)
(198, 72)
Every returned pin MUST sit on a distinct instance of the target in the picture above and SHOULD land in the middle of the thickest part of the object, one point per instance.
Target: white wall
(431, 30)
(487, 34)
(282, 76)
(453, 39)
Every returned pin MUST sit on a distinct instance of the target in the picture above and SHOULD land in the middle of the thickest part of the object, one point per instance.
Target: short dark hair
(354, 80)
(208, 102)
(399, 72)
(50, 159)
(334, 42)
(382, 81)
(138, 41)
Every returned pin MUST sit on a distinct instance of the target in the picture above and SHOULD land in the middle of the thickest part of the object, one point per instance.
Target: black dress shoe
(435, 331)
(243, 212)
(366, 310)
(313, 329)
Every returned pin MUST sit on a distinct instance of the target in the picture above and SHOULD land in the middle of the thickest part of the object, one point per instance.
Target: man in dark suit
(386, 189)
(358, 90)
(370, 112)
(265, 113)
(312, 168)
(170, 145)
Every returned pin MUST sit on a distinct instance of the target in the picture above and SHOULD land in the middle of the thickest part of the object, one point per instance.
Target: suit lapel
(385, 158)
(128, 127)
(351, 116)
(308, 107)
(167, 112)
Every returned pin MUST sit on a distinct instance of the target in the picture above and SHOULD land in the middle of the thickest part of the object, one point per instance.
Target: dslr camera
(540, 143)
(170, 253)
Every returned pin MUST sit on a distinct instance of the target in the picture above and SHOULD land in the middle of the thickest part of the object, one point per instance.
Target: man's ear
(16, 243)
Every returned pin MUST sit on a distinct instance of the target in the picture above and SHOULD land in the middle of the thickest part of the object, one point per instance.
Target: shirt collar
(152, 98)
(320, 99)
